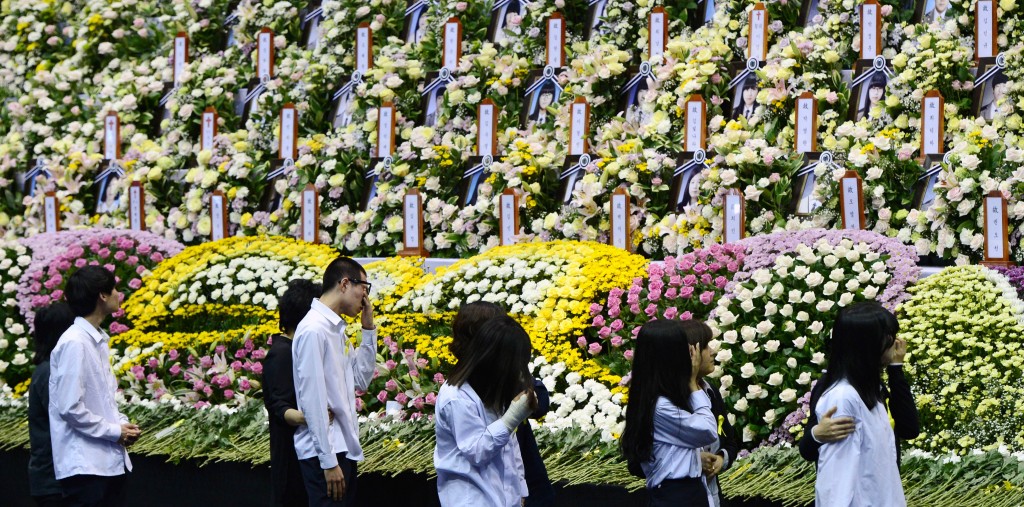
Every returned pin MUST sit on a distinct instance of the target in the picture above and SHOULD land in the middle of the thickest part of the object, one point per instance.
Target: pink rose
(594, 349)
(228, 393)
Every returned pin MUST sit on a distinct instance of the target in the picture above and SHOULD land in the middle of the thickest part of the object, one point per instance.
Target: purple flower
(228, 393)
(244, 385)
(138, 372)
(257, 368)
(391, 385)
(206, 362)
(438, 378)
(175, 369)
(594, 349)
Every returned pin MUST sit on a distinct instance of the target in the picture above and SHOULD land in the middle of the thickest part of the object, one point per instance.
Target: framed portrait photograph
(108, 198)
(415, 27)
(572, 172)
(246, 101)
(271, 199)
(804, 203)
(432, 96)
(228, 36)
(542, 95)
(990, 88)
(25, 181)
(687, 177)
(924, 190)
(635, 94)
(311, 17)
(595, 19)
(743, 97)
(377, 170)
(343, 104)
(477, 171)
(161, 112)
(809, 13)
(703, 14)
(869, 88)
(504, 13)
(933, 12)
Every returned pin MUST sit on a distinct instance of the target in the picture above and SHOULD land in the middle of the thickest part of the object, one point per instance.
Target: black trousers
(56, 500)
(316, 484)
(94, 490)
(689, 492)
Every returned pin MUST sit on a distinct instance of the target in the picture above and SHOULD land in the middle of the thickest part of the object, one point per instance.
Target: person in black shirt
(464, 328)
(900, 403)
(279, 396)
(50, 323)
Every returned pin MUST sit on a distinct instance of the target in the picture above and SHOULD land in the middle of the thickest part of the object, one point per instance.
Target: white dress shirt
(327, 372)
(478, 463)
(85, 424)
(679, 437)
(859, 470)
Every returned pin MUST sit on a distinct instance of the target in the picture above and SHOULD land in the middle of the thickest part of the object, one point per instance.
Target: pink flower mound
(899, 258)
(681, 288)
(55, 256)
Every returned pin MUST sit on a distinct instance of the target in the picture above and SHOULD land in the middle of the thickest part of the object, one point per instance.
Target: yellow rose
(194, 204)
(336, 180)
(203, 228)
(204, 157)
(892, 101)
(4, 219)
(830, 57)
(156, 173)
(393, 224)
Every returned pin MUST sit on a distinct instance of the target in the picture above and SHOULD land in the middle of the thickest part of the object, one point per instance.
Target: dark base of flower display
(156, 482)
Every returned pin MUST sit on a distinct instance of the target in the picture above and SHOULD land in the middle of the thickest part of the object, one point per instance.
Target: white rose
(814, 279)
(748, 333)
(830, 288)
(754, 392)
(845, 299)
(803, 316)
(747, 370)
(726, 381)
(818, 358)
(741, 405)
(800, 341)
(787, 395)
(723, 357)
(769, 416)
(777, 290)
(750, 347)
(824, 306)
(786, 311)
(775, 379)
(804, 379)
(816, 327)
(870, 292)
(748, 434)
(747, 306)
(729, 337)
(765, 327)
(772, 346)
(791, 362)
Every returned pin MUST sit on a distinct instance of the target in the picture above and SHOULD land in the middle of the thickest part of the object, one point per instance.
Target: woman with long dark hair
(487, 396)
(719, 456)
(860, 469)
(668, 418)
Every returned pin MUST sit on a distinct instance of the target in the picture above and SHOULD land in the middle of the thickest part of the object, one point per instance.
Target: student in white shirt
(88, 433)
(487, 396)
(668, 418)
(859, 470)
(327, 371)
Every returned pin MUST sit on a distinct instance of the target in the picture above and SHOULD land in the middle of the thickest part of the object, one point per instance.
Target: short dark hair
(495, 363)
(467, 324)
(750, 82)
(85, 286)
(294, 303)
(340, 269)
(697, 332)
(51, 322)
(878, 81)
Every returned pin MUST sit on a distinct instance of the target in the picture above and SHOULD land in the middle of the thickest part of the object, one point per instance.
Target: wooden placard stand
(758, 19)
(997, 241)
(874, 7)
(51, 212)
(932, 96)
(986, 45)
(218, 215)
(735, 220)
(178, 61)
(491, 130)
(265, 36)
(290, 150)
(657, 32)
(619, 235)
(309, 227)
(802, 143)
(412, 225)
(557, 21)
(112, 132)
(208, 130)
(364, 47)
(136, 207)
(448, 60)
(851, 207)
(579, 128)
(696, 104)
(508, 217)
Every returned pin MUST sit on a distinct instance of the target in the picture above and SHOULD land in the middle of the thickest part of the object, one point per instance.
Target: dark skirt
(688, 492)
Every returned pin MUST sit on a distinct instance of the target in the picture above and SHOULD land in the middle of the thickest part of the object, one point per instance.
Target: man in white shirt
(88, 433)
(327, 372)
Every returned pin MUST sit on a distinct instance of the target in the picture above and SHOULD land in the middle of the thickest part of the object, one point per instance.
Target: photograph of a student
(543, 97)
(935, 11)
(312, 16)
(415, 22)
(595, 18)
(107, 196)
(634, 100)
(744, 101)
(502, 17)
(992, 103)
(341, 115)
(871, 94)
(806, 202)
(810, 12)
(689, 188)
(433, 100)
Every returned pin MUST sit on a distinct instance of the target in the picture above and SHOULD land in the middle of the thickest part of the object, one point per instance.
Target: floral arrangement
(771, 328)
(685, 288)
(963, 328)
(15, 353)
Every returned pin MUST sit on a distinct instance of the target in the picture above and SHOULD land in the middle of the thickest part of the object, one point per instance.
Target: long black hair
(50, 323)
(661, 367)
(495, 363)
(861, 334)
(468, 321)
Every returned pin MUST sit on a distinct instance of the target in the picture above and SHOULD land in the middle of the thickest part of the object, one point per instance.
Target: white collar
(328, 314)
(97, 335)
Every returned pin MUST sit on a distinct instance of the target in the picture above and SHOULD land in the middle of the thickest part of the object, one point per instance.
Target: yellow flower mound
(548, 286)
(964, 336)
